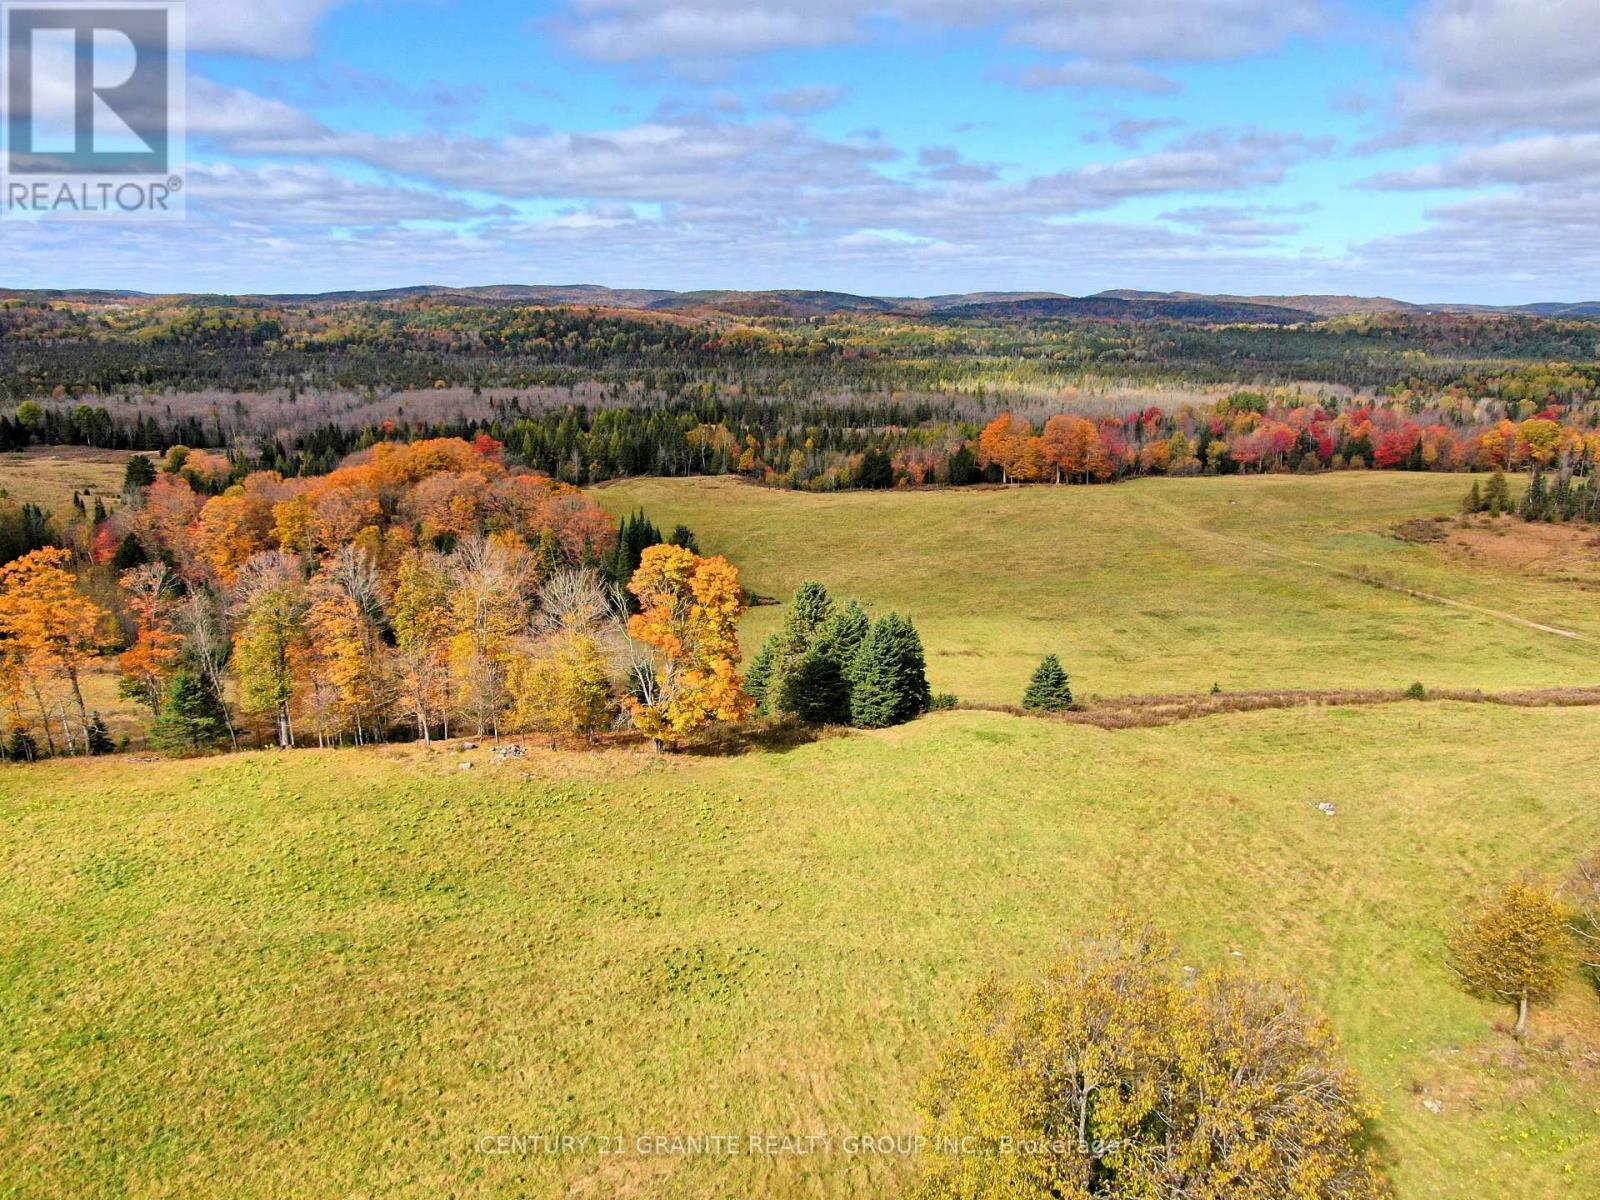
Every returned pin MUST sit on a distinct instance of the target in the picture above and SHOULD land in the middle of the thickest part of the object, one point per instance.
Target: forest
(838, 400)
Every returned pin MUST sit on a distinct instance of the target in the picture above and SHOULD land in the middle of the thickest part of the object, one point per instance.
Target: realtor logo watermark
(92, 109)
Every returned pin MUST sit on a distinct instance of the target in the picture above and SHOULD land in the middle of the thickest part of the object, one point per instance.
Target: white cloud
(1103, 30)
(265, 28)
(1083, 73)
(1493, 66)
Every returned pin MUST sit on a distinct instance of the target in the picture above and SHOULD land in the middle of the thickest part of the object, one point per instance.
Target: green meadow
(369, 972)
(1162, 585)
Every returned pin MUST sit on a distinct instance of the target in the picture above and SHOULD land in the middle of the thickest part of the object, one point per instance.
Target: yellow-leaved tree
(684, 671)
(565, 689)
(1515, 947)
(51, 628)
(1109, 1075)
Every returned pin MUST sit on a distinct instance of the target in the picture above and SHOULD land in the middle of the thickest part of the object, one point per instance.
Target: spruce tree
(1049, 690)
(20, 746)
(683, 536)
(809, 612)
(130, 553)
(847, 631)
(1497, 496)
(139, 473)
(760, 673)
(875, 471)
(98, 737)
(191, 718)
(891, 682)
(1473, 502)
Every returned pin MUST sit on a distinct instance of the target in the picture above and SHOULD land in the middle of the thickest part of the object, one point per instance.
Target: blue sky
(1437, 150)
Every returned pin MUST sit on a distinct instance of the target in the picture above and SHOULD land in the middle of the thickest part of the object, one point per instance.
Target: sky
(1438, 150)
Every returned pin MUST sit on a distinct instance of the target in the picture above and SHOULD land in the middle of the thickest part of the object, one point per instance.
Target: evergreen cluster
(833, 665)
(1566, 499)
(1494, 498)
(635, 534)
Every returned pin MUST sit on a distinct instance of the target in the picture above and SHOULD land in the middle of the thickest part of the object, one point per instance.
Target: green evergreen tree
(191, 718)
(847, 631)
(636, 534)
(815, 690)
(963, 468)
(683, 536)
(98, 736)
(875, 471)
(760, 673)
(808, 613)
(130, 553)
(1497, 496)
(139, 473)
(891, 682)
(1049, 690)
(20, 746)
(1535, 501)
(1473, 501)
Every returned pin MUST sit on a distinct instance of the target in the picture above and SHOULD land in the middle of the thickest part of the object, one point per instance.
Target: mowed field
(345, 973)
(349, 972)
(1169, 585)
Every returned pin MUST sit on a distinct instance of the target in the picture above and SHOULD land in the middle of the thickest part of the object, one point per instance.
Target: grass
(48, 475)
(1159, 585)
(335, 973)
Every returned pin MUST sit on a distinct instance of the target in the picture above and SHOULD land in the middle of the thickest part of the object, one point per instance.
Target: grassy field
(348, 972)
(1168, 585)
(337, 973)
(48, 475)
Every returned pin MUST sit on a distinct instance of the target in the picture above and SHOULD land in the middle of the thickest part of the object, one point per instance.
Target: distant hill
(1203, 309)
(1120, 304)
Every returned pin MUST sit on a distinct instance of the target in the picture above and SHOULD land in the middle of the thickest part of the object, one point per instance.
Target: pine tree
(1473, 501)
(1535, 501)
(847, 632)
(891, 682)
(1497, 496)
(191, 719)
(1049, 690)
(816, 690)
(683, 536)
(875, 470)
(760, 673)
(139, 473)
(99, 737)
(785, 691)
(20, 746)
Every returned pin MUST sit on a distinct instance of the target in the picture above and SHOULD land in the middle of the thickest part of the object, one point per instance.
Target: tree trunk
(1522, 1014)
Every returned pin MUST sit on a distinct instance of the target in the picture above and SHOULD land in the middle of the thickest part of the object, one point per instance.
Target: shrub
(1049, 690)
(1123, 1081)
(943, 702)
(1416, 692)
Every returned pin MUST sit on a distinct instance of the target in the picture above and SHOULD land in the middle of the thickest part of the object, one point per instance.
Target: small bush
(942, 702)
(1416, 692)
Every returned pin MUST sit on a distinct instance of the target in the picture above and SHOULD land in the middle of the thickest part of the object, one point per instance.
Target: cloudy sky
(1432, 150)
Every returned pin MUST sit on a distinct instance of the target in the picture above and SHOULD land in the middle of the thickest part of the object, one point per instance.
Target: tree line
(421, 589)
